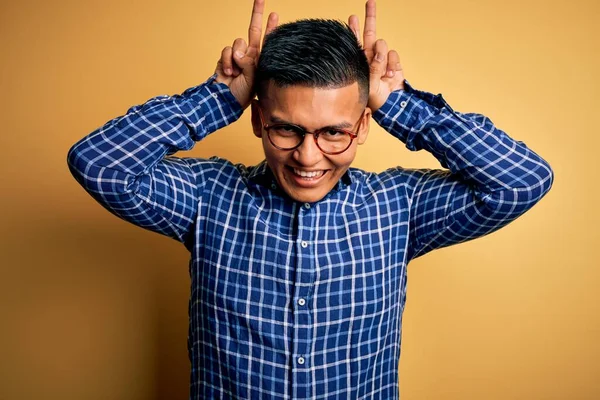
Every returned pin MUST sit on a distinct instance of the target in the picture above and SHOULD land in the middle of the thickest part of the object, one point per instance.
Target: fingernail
(379, 57)
(390, 73)
(239, 54)
(228, 71)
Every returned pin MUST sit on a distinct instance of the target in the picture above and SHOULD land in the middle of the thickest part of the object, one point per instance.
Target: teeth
(306, 174)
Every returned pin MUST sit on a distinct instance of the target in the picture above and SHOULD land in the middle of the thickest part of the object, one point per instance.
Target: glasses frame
(268, 127)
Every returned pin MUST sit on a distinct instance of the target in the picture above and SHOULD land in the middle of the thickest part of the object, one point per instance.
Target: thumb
(246, 62)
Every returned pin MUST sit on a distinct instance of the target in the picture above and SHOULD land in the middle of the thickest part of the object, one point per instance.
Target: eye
(287, 130)
(333, 132)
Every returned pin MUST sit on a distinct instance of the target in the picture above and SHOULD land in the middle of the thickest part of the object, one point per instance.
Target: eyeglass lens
(290, 136)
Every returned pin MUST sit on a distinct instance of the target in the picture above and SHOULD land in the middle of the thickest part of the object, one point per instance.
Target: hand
(238, 62)
(386, 71)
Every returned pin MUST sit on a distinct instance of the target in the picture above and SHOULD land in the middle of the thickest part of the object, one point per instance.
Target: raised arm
(491, 179)
(126, 164)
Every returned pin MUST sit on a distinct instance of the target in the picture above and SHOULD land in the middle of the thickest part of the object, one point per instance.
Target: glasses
(329, 140)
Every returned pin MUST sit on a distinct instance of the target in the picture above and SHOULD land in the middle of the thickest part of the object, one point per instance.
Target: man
(298, 264)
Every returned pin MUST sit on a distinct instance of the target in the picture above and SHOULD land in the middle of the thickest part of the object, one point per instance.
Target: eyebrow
(342, 125)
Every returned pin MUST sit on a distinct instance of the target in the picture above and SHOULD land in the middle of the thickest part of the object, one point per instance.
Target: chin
(306, 198)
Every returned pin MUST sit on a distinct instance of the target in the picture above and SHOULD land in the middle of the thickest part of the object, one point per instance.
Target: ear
(256, 123)
(363, 130)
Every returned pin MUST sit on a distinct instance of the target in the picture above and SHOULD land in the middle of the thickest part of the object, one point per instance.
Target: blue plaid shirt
(303, 301)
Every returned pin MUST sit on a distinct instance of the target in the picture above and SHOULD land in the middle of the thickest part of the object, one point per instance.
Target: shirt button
(403, 104)
(273, 186)
(301, 302)
(301, 360)
(306, 205)
(214, 95)
(304, 244)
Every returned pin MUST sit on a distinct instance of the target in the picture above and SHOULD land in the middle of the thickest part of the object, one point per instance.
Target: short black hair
(321, 53)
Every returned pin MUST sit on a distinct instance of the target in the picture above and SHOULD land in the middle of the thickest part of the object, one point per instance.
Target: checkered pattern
(303, 301)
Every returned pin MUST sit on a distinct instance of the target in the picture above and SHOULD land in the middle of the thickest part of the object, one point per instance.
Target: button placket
(303, 318)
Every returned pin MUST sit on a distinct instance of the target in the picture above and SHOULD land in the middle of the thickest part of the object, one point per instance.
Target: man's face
(312, 109)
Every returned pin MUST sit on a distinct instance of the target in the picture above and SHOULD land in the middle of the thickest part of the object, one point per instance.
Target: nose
(308, 153)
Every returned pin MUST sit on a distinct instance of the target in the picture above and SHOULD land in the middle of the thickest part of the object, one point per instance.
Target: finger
(393, 63)
(226, 61)
(354, 25)
(370, 33)
(272, 23)
(379, 63)
(239, 46)
(221, 77)
(255, 29)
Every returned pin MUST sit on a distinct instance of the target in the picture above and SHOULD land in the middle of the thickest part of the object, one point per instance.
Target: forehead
(312, 106)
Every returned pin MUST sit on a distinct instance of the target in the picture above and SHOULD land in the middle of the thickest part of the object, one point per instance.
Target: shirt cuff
(223, 93)
(403, 106)
(219, 106)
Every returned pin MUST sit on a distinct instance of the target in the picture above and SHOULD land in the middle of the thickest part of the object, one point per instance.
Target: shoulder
(394, 184)
(215, 164)
(390, 178)
(216, 168)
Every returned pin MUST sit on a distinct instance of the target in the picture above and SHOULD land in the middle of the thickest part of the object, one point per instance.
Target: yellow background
(92, 307)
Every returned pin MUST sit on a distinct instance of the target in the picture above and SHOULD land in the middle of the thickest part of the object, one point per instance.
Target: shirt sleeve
(489, 181)
(126, 164)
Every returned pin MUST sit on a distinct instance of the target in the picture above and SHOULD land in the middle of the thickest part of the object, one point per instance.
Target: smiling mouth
(303, 177)
(308, 174)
